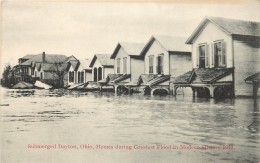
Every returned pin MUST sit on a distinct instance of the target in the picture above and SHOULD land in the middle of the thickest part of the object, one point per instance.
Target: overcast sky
(83, 29)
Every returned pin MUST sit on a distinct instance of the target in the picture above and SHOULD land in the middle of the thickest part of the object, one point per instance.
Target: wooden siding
(247, 62)
(155, 50)
(180, 63)
(209, 35)
(137, 68)
(122, 54)
(88, 76)
(106, 71)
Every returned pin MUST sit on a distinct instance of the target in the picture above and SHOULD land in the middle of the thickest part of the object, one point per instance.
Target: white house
(101, 65)
(165, 57)
(224, 52)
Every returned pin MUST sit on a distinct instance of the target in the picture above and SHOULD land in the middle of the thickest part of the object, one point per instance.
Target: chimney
(43, 57)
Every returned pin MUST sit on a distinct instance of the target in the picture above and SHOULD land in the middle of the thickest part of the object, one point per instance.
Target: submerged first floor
(214, 83)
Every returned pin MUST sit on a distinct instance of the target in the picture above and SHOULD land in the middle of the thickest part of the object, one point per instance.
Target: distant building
(224, 53)
(79, 71)
(47, 67)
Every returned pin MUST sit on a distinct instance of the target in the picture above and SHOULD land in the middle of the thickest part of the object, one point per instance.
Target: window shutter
(207, 56)
(157, 64)
(197, 57)
(213, 55)
(223, 45)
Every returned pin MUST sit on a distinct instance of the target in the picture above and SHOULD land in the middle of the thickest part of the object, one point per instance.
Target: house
(42, 66)
(165, 57)
(224, 53)
(128, 63)
(101, 65)
(78, 71)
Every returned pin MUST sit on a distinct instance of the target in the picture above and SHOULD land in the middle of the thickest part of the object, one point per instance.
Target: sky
(83, 29)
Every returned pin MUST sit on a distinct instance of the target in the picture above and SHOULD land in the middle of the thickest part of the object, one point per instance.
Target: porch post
(255, 88)
(211, 91)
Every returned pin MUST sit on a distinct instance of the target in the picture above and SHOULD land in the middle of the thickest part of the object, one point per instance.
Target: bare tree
(59, 70)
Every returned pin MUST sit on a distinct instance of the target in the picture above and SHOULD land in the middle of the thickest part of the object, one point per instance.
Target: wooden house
(128, 64)
(165, 57)
(224, 52)
(101, 65)
(78, 71)
(39, 66)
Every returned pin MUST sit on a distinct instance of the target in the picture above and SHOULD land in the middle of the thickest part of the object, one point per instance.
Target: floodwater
(94, 127)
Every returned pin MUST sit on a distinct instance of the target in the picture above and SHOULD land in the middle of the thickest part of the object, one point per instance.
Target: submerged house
(101, 66)
(128, 64)
(44, 67)
(165, 57)
(224, 53)
(78, 71)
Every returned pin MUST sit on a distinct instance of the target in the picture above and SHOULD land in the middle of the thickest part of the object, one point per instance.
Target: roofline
(113, 56)
(147, 45)
(201, 26)
(92, 61)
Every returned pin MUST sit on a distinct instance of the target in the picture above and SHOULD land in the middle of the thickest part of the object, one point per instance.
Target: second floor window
(118, 66)
(219, 56)
(151, 64)
(203, 56)
(125, 65)
(160, 64)
(202, 51)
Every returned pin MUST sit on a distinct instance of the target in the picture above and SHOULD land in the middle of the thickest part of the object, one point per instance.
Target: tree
(7, 77)
(60, 70)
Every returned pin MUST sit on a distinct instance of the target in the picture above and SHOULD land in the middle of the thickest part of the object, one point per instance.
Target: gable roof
(229, 26)
(169, 43)
(104, 60)
(132, 49)
(71, 58)
(85, 64)
(74, 64)
(49, 58)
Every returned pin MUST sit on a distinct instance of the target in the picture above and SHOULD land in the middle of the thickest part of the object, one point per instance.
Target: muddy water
(94, 127)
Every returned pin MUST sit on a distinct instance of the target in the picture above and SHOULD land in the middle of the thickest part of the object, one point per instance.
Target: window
(202, 51)
(151, 64)
(219, 56)
(125, 65)
(71, 76)
(95, 74)
(118, 66)
(32, 73)
(80, 77)
(160, 64)
(100, 73)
